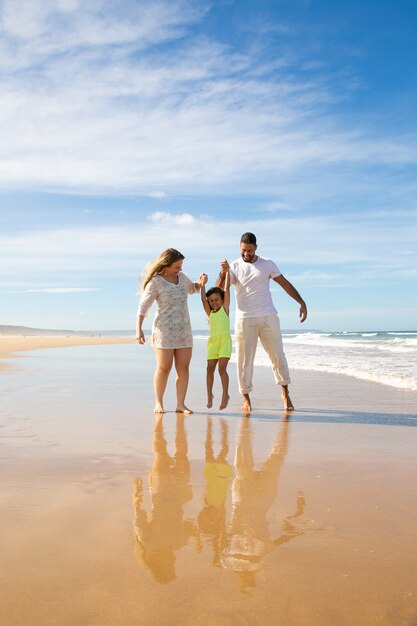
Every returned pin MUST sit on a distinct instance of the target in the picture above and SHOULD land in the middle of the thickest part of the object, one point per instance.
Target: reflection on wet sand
(163, 531)
(238, 546)
(218, 474)
(253, 494)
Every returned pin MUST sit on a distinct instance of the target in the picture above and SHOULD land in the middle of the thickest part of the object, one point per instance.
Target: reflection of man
(164, 531)
(253, 494)
(218, 473)
(256, 316)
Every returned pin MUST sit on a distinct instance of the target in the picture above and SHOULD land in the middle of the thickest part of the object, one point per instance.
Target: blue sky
(128, 127)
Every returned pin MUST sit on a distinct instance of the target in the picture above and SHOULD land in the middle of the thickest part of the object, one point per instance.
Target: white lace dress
(171, 327)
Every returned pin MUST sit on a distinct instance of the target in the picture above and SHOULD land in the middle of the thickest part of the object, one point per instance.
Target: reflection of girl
(218, 474)
(172, 338)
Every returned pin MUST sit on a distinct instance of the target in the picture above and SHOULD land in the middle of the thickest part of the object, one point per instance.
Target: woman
(172, 338)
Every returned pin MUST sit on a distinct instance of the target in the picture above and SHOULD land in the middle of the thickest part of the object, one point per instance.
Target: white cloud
(46, 27)
(169, 218)
(89, 102)
(325, 249)
(159, 195)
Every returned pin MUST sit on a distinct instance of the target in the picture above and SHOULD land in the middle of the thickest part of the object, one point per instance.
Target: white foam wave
(389, 375)
(385, 361)
(399, 345)
(382, 357)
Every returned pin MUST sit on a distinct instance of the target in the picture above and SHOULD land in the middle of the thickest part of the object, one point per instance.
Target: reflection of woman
(172, 339)
(253, 494)
(163, 531)
(218, 474)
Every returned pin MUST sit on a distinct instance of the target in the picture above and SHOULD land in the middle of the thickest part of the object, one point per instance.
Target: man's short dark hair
(248, 238)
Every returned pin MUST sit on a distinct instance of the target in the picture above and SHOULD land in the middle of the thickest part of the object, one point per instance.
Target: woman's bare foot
(210, 400)
(225, 402)
(246, 404)
(158, 408)
(183, 409)
(288, 405)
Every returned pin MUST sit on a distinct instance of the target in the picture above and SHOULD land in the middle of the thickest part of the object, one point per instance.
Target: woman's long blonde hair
(165, 259)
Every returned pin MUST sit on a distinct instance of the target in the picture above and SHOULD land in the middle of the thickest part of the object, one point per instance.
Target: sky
(131, 126)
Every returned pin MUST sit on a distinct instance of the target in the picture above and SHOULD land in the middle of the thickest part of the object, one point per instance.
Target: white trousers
(247, 332)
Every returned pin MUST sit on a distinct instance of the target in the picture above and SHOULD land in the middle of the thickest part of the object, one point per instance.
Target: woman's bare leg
(182, 358)
(211, 368)
(164, 360)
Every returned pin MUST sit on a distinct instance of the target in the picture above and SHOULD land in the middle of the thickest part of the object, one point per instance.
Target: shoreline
(10, 344)
(310, 390)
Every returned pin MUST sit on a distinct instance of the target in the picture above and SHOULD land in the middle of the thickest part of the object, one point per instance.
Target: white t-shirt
(251, 282)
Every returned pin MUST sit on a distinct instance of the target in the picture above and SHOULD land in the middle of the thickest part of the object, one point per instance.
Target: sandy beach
(112, 516)
(9, 344)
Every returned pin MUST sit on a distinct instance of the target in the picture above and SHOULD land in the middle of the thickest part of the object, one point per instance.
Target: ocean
(388, 357)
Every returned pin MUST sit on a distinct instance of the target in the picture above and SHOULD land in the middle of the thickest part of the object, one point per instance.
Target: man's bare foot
(210, 400)
(225, 402)
(183, 409)
(158, 408)
(288, 405)
(246, 404)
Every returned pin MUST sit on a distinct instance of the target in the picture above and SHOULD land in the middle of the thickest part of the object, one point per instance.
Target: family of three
(256, 317)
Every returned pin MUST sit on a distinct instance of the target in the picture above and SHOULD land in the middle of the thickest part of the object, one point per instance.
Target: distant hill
(25, 330)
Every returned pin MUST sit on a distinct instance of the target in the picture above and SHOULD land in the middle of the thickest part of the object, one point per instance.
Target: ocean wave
(390, 377)
(399, 345)
(383, 362)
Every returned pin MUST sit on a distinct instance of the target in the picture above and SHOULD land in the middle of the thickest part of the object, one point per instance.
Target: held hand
(224, 265)
(303, 312)
(203, 279)
(141, 337)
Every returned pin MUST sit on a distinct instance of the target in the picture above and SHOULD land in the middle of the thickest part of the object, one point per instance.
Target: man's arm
(224, 268)
(291, 291)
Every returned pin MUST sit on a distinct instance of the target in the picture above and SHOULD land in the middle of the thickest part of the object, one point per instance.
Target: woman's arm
(147, 299)
(140, 337)
(190, 286)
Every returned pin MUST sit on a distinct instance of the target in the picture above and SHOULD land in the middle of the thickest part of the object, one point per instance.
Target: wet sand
(9, 344)
(112, 516)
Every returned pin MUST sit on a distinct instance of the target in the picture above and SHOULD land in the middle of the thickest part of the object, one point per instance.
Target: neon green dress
(219, 343)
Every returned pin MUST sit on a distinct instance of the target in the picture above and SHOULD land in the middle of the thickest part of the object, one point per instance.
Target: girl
(171, 331)
(216, 303)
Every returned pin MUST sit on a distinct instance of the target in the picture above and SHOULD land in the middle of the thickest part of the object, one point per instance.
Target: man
(256, 316)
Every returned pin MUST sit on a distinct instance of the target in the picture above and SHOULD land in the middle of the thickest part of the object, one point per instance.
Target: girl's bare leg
(164, 360)
(182, 358)
(211, 368)
(224, 377)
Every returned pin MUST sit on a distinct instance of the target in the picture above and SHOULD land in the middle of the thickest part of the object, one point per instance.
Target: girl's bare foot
(210, 400)
(288, 405)
(183, 409)
(158, 408)
(246, 405)
(225, 402)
